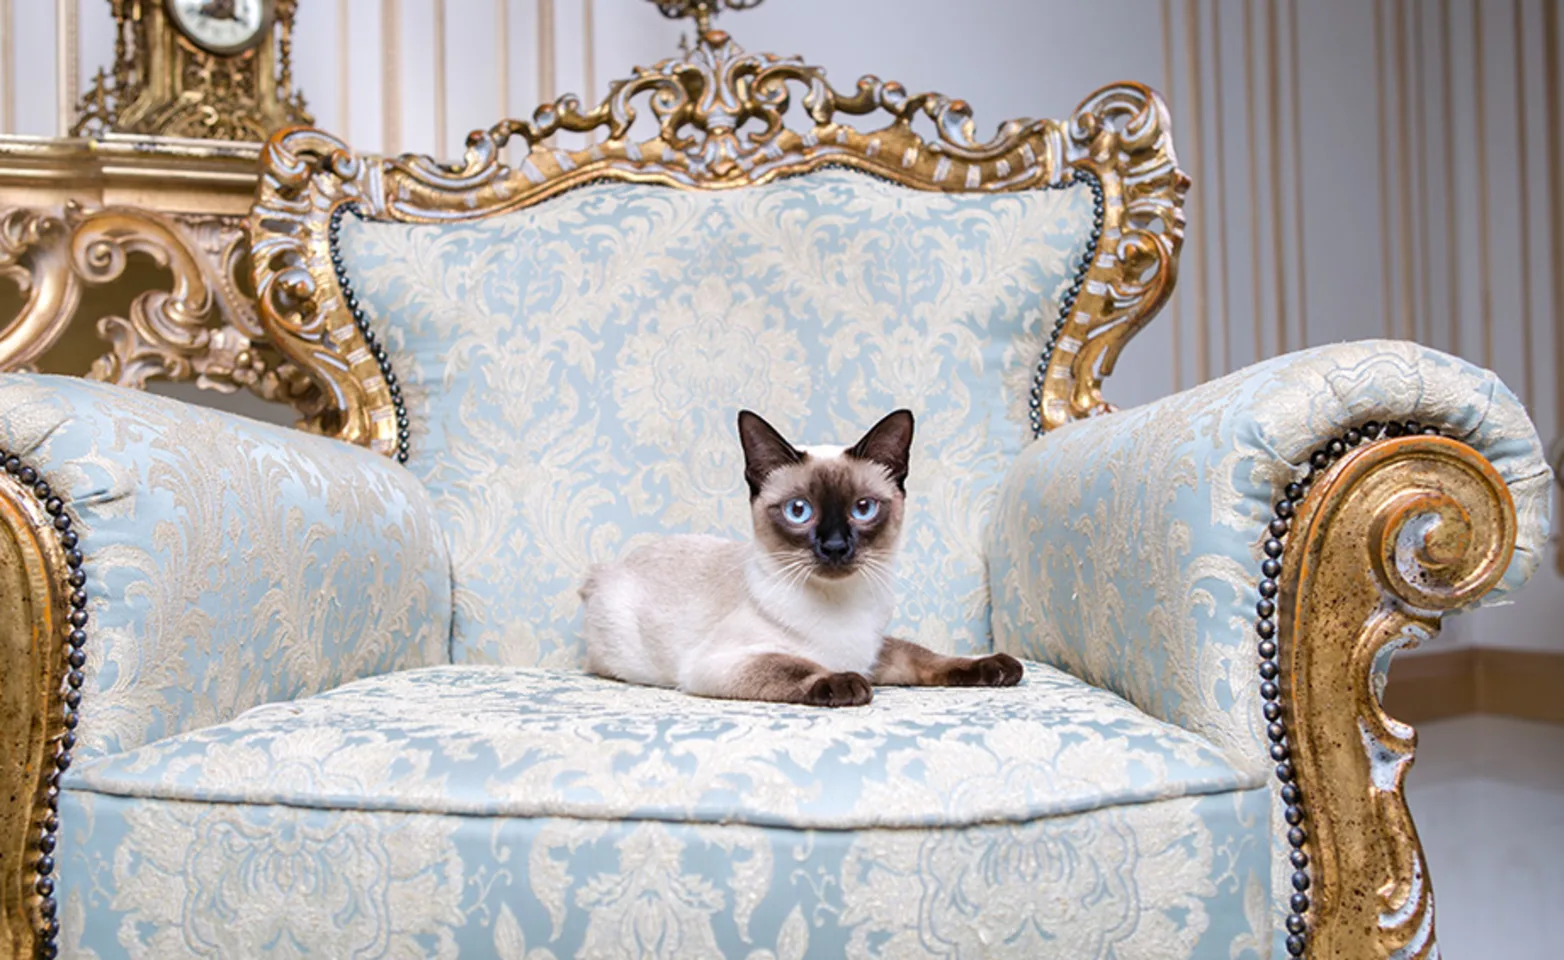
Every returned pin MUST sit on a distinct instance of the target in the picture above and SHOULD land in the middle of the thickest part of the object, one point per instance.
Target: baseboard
(1509, 683)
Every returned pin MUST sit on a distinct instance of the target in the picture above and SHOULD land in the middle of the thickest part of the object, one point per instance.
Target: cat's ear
(764, 450)
(888, 443)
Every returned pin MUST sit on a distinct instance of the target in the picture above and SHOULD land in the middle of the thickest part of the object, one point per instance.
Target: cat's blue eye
(798, 510)
(866, 509)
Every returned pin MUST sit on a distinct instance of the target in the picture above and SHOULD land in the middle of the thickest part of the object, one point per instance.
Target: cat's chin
(834, 574)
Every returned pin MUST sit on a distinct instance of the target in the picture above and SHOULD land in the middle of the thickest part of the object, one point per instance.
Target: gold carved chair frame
(720, 124)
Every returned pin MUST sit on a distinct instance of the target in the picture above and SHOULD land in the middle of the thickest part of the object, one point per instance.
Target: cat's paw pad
(995, 670)
(839, 690)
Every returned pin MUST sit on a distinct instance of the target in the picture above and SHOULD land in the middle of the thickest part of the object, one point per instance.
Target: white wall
(1343, 95)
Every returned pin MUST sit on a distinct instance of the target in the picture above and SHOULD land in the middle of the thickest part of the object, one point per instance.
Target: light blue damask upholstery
(1126, 549)
(572, 372)
(228, 562)
(542, 813)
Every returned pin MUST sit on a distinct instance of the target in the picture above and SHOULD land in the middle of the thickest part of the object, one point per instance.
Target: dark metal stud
(44, 886)
(1269, 690)
(1273, 711)
(1290, 793)
(1319, 461)
(1295, 945)
(1300, 881)
(62, 522)
(76, 658)
(1337, 448)
(44, 865)
(78, 618)
(1272, 547)
(1266, 648)
(72, 700)
(1294, 491)
(1284, 772)
(28, 476)
(1295, 924)
(1299, 903)
(1266, 607)
(1267, 588)
(74, 679)
(53, 506)
(1279, 752)
(78, 598)
(1278, 527)
(1299, 859)
(46, 843)
(1293, 815)
(1354, 438)
(68, 540)
(1297, 837)
(1276, 731)
(41, 489)
(13, 463)
(48, 907)
(76, 637)
(1268, 669)
(1392, 429)
(1271, 567)
(62, 761)
(1371, 429)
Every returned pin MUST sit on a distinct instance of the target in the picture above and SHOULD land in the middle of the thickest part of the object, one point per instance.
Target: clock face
(222, 26)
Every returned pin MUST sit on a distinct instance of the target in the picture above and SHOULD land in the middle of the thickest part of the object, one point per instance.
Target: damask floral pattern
(540, 814)
(573, 372)
(220, 553)
(546, 743)
(1125, 548)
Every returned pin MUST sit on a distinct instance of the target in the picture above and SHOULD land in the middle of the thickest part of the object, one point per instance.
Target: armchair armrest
(1265, 541)
(227, 562)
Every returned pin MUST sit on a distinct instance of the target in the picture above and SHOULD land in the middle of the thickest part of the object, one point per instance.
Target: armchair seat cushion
(488, 809)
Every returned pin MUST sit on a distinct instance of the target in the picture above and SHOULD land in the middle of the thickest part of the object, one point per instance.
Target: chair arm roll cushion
(229, 562)
(1126, 548)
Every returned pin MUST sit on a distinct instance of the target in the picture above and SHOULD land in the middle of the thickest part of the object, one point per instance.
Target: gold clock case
(165, 83)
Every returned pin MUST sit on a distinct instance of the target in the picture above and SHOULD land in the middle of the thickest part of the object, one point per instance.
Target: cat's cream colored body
(690, 611)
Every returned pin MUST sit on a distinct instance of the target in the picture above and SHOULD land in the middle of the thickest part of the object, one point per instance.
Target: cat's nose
(834, 548)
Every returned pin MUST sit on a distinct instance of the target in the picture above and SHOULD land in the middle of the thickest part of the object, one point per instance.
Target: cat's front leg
(909, 665)
(774, 677)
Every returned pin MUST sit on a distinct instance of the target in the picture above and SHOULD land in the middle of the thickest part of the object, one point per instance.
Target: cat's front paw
(839, 690)
(994, 670)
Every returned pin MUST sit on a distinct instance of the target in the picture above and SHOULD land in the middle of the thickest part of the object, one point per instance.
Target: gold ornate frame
(702, 105)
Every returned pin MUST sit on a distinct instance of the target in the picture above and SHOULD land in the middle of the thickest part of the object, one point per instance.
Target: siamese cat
(799, 614)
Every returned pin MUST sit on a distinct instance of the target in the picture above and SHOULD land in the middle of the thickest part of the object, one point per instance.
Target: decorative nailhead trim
(75, 658)
(1035, 397)
(361, 320)
(1294, 811)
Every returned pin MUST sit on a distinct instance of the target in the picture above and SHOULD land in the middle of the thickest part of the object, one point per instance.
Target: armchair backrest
(559, 348)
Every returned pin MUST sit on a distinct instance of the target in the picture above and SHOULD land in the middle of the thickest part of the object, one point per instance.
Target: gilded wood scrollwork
(32, 665)
(203, 327)
(1396, 535)
(720, 119)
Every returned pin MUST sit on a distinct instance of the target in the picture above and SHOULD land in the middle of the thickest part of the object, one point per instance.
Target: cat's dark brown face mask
(823, 511)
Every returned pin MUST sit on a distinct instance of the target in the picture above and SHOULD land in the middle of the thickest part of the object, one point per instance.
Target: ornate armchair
(269, 693)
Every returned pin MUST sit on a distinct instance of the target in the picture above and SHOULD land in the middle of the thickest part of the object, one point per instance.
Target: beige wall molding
(1523, 684)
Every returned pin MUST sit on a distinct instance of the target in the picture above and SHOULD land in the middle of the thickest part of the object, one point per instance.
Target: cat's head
(831, 511)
